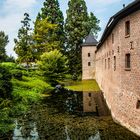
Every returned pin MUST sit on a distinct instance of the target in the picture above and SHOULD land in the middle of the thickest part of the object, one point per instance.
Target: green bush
(53, 66)
(5, 84)
(17, 74)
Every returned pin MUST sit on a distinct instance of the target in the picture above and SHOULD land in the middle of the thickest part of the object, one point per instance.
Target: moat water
(69, 115)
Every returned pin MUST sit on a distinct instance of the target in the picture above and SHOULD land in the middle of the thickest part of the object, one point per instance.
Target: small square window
(88, 54)
(89, 94)
(89, 64)
(127, 28)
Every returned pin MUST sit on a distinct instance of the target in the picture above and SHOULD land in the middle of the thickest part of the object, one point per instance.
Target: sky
(12, 11)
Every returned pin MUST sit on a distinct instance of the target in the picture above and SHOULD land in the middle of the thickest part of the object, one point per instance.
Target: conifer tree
(42, 39)
(93, 22)
(3, 42)
(23, 43)
(52, 12)
(77, 26)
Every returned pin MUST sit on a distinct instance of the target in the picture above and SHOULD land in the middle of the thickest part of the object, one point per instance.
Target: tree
(42, 39)
(54, 15)
(77, 26)
(53, 66)
(93, 22)
(24, 42)
(5, 84)
(3, 42)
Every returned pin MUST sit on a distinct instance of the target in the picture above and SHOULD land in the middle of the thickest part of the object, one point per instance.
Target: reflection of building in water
(89, 104)
(94, 102)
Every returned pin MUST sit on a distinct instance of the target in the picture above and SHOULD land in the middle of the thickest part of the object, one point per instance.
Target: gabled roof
(131, 8)
(90, 41)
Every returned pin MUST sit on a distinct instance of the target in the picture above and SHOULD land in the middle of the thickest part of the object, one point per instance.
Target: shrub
(53, 66)
(5, 84)
(17, 74)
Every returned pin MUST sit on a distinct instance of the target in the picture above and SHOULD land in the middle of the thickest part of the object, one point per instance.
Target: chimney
(123, 5)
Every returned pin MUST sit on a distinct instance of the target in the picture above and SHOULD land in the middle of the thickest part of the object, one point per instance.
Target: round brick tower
(88, 57)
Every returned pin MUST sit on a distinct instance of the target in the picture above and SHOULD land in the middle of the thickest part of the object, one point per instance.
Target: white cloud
(10, 17)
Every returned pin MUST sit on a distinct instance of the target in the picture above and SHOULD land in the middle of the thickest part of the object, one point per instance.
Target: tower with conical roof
(88, 57)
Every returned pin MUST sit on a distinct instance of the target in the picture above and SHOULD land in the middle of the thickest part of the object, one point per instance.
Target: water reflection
(23, 132)
(94, 102)
(68, 115)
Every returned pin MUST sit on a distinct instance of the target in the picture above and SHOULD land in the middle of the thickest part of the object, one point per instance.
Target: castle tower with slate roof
(88, 57)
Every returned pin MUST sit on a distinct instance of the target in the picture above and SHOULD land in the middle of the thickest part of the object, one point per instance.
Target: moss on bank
(86, 85)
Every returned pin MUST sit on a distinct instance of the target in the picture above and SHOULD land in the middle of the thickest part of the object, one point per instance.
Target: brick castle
(115, 64)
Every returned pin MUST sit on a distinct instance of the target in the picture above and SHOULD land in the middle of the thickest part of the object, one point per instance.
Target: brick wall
(121, 86)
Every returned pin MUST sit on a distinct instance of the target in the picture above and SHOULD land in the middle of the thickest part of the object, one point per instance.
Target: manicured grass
(86, 85)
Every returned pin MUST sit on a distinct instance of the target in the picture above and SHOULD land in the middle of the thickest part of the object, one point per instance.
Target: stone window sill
(126, 36)
(127, 69)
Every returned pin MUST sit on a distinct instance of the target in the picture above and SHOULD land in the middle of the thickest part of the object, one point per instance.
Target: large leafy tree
(3, 42)
(77, 26)
(24, 42)
(52, 12)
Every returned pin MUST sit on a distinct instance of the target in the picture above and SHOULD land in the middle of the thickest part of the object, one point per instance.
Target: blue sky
(12, 13)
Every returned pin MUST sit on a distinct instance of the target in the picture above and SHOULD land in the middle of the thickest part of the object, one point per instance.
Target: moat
(68, 115)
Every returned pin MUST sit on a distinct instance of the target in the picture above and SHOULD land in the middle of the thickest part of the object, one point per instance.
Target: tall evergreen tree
(52, 12)
(93, 22)
(3, 42)
(77, 26)
(23, 43)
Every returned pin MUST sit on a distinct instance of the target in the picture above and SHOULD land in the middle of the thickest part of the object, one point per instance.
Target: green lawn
(86, 85)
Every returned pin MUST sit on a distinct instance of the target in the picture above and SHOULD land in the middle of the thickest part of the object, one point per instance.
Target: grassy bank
(86, 85)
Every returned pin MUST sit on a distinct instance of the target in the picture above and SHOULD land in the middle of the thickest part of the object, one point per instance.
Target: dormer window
(127, 28)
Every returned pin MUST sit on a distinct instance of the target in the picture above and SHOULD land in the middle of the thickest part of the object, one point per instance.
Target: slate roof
(90, 41)
(131, 8)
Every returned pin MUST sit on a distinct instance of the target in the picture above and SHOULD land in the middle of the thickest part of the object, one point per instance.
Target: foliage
(10, 59)
(3, 42)
(87, 85)
(10, 65)
(77, 26)
(93, 24)
(43, 43)
(5, 99)
(51, 11)
(23, 43)
(17, 74)
(53, 66)
(5, 84)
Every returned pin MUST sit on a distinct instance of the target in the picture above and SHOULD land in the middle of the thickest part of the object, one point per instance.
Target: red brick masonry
(121, 86)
